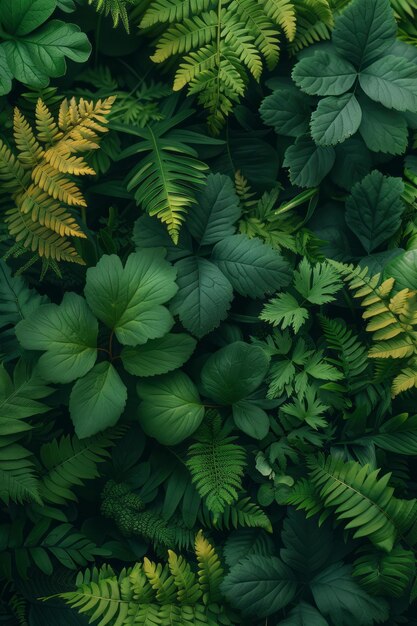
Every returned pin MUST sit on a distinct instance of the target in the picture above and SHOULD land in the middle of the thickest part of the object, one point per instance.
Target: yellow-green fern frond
(210, 571)
(392, 320)
(282, 12)
(188, 591)
(30, 151)
(36, 176)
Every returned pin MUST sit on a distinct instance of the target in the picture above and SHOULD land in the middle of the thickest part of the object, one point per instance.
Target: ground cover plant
(208, 312)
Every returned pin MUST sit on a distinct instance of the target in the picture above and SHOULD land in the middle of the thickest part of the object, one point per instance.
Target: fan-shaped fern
(358, 497)
(224, 42)
(37, 176)
(116, 8)
(154, 593)
(392, 319)
(216, 465)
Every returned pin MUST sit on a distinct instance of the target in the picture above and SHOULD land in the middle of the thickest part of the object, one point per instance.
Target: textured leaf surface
(335, 119)
(392, 81)
(158, 356)
(97, 400)
(323, 74)
(171, 409)
(308, 163)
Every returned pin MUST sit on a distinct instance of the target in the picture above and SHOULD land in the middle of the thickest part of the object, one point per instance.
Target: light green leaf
(216, 211)
(97, 400)
(308, 163)
(323, 74)
(204, 295)
(399, 435)
(339, 597)
(259, 585)
(335, 119)
(20, 17)
(171, 408)
(404, 269)
(392, 81)
(287, 111)
(38, 56)
(382, 130)
(304, 615)
(374, 209)
(67, 333)
(5, 73)
(284, 310)
(317, 284)
(251, 266)
(364, 31)
(158, 356)
(234, 372)
(129, 299)
(250, 419)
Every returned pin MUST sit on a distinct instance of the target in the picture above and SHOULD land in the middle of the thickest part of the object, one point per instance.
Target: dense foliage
(208, 312)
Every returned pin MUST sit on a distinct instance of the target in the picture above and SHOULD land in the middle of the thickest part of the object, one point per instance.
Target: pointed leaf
(335, 119)
(323, 74)
(158, 356)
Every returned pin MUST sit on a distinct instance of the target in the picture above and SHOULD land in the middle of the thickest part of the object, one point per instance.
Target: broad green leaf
(404, 269)
(250, 419)
(308, 163)
(364, 30)
(287, 111)
(149, 232)
(382, 130)
(129, 299)
(234, 372)
(35, 58)
(323, 74)
(158, 356)
(392, 81)
(171, 409)
(374, 209)
(399, 435)
(252, 267)
(304, 615)
(204, 295)
(5, 73)
(17, 301)
(68, 335)
(339, 597)
(216, 211)
(20, 17)
(335, 119)
(242, 542)
(97, 400)
(259, 585)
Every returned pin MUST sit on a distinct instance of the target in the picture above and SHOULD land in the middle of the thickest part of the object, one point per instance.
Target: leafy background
(208, 312)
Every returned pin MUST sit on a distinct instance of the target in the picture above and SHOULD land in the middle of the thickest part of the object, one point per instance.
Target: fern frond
(243, 513)
(383, 574)
(48, 213)
(216, 464)
(40, 239)
(12, 174)
(360, 499)
(152, 593)
(392, 319)
(57, 186)
(351, 355)
(68, 462)
(47, 130)
(30, 151)
(282, 12)
(116, 8)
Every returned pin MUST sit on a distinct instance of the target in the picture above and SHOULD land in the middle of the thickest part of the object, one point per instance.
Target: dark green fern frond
(116, 8)
(216, 464)
(383, 574)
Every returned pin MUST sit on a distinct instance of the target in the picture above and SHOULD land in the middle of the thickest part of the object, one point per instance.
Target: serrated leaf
(171, 409)
(68, 335)
(5, 73)
(259, 585)
(284, 310)
(252, 267)
(287, 111)
(129, 299)
(216, 211)
(22, 17)
(323, 74)
(353, 162)
(158, 356)
(403, 268)
(317, 284)
(335, 119)
(204, 295)
(308, 163)
(97, 400)
(304, 615)
(374, 209)
(392, 81)
(382, 130)
(364, 30)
